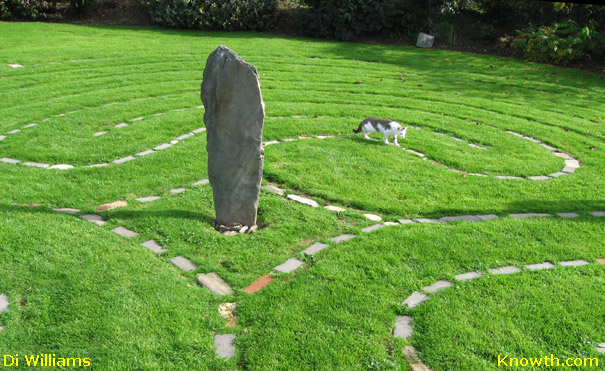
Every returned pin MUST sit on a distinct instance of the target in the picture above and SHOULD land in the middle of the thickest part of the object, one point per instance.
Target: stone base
(232, 230)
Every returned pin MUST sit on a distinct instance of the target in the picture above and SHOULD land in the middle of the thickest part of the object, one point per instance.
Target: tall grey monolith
(234, 118)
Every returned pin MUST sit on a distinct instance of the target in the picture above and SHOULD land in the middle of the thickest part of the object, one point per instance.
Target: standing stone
(234, 117)
(425, 41)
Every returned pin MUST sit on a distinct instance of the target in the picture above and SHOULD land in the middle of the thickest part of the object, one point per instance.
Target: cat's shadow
(372, 141)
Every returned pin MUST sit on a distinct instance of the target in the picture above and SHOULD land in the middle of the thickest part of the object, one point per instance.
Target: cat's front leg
(395, 141)
(386, 139)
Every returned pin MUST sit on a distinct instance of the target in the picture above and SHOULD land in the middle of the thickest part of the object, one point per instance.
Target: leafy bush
(346, 19)
(28, 9)
(561, 43)
(226, 15)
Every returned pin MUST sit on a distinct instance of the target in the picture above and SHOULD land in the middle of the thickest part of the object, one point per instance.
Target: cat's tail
(358, 130)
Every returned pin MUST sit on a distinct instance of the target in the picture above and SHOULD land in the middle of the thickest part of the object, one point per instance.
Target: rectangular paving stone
(268, 143)
(94, 218)
(259, 284)
(550, 148)
(153, 246)
(334, 208)
(137, 119)
(201, 182)
(568, 215)
(289, 265)
(14, 131)
(573, 263)
(2, 137)
(183, 263)
(373, 217)
(315, 248)
(122, 125)
(214, 283)
(598, 213)
(557, 174)
(488, 217)
(568, 170)
(197, 131)
(572, 163)
(468, 276)
(505, 270)
(122, 160)
(111, 205)
(403, 327)
(342, 238)
(437, 286)
(410, 355)
(538, 177)
(162, 146)
(67, 210)
(425, 220)
(302, 200)
(184, 136)
(405, 221)
(148, 198)
(30, 125)
(145, 153)
(176, 191)
(467, 218)
(528, 215)
(61, 167)
(97, 165)
(124, 232)
(224, 345)
(3, 303)
(36, 164)
(563, 155)
(415, 299)
(507, 177)
(540, 266)
(372, 228)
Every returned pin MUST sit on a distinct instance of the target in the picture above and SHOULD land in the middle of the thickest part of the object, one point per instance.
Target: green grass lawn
(79, 290)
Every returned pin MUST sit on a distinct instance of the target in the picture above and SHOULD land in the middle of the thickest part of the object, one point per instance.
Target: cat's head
(402, 131)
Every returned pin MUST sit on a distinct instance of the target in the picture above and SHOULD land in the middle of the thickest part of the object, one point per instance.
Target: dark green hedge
(225, 15)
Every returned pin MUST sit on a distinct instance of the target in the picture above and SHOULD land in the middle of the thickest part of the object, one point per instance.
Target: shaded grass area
(76, 291)
(340, 312)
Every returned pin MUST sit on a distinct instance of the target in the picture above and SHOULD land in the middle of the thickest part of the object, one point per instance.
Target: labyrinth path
(116, 138)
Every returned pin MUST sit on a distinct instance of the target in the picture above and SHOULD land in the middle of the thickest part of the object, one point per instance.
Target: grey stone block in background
(425, 41)
(234, 118)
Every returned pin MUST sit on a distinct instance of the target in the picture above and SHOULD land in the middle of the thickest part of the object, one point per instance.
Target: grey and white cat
(384, 126)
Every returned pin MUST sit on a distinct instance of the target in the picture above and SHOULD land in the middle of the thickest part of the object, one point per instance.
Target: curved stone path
(571, 164)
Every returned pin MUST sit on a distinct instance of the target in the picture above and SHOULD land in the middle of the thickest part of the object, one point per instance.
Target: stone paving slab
(425, 220)
(414, 362)
(289, 265)
(557, 174)
(415, 299)
(15, 65)
(342, 238)
(505, 270)
(437, 286)
(2, 137)
(572, 163)
(176, 191)
(145, 153)
(62, 167)
(124, 232)
(488, 217)
(259, 284)
(199, 130)
(468, 276)
(30, 125)
(601, 348)
(334, 208)
(528, 215)
(390, 224)
(162, 146)
(540, 266)
(4, 303)
(137, 119)
(201, 182)
(184, 136)
(507, 177)
(598, 213)
(550, 148)
(302, 200)
(538, 177)
(214, 283)
(97, 165)
(573, 263)
(405, 221)
(36, 164)
(373, 217)
(111, 206)
(601, 260)
(467, 218)
(315, 248)
(372, 228)
(122, 125)
(94, 218)
(274, 189)
(153, 246)
(148, 198)
(568, 170)
(183, 263)
(67, 210)
(224, 345)
(403, 327)
(13, 131)
(568, 215)
(268, 143)
(123, 160)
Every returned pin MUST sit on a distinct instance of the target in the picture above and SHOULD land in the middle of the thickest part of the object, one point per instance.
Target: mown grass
(107, 298)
